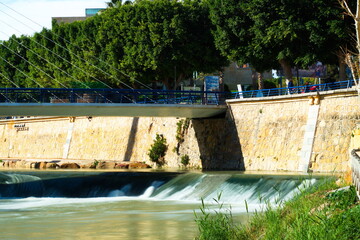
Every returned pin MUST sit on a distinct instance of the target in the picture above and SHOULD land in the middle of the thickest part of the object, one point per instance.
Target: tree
(353, 58)
(150, 41)
(272, 33)
(161, 40)
(14, 65)
(114, 3)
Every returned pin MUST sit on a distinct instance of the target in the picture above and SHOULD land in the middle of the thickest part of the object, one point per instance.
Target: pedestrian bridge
(136, 102)
(110, 102)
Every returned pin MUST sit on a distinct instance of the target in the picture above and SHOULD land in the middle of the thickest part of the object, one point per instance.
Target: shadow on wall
(131, 140)
(219, 144)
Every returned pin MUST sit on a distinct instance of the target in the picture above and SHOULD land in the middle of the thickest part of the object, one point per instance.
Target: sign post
(212, 84)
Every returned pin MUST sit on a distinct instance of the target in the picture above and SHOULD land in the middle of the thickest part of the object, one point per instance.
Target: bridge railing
(141, 96)
(294, 90)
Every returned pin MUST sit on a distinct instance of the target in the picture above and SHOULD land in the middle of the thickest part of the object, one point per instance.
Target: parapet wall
(282, 133)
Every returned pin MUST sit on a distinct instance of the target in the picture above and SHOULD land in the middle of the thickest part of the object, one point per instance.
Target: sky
(40, 12)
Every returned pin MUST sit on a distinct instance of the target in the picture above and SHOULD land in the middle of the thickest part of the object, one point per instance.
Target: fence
(294, 90)
(140, 96)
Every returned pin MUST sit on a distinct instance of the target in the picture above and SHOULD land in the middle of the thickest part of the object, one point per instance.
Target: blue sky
(40, 12)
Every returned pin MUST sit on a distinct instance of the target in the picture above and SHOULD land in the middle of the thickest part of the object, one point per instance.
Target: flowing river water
(129, 205)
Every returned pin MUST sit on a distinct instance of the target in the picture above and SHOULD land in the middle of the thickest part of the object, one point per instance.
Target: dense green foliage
(316, 213)
(151, 41)
(166, 40)
(158, 150)
(185, 160)
(268, 33)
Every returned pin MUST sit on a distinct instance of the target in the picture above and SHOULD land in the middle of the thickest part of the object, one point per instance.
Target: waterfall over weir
(188, 187)
(129, 205)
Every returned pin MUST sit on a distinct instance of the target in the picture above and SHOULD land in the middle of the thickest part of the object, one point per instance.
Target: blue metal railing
(140, 96)
(293, 90)
(144, 96)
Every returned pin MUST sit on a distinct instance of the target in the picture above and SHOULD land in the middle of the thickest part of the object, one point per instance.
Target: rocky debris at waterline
(56, 164)
(70, 165)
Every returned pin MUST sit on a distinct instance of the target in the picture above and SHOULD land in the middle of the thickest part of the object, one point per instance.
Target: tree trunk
(166, 84)
(342, 67)
(286, 68)
(260, 81)
(354, 64)
(254, 78)
(177, 80)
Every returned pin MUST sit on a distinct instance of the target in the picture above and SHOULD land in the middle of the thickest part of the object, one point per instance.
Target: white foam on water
(187, 189)
(32, 202)
(120, 192)
(147, 192)
(17, 178)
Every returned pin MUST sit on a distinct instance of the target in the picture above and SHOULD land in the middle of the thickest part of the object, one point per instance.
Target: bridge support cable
(56, 68)
(107, 64)
(35, 66)
(79, 57)
(16, 85)
(22, 72)
(52, 63)
(62, 58)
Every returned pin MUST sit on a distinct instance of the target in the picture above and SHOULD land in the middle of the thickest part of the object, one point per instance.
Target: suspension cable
(70, 53)
(16, 85)
(116, 69)
(30, 77)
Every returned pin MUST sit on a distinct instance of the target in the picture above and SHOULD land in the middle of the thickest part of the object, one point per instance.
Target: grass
(315, 213)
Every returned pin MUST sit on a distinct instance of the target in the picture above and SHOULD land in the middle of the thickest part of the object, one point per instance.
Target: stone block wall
(338, 117)
(117, 139)
(260, 134)
(271, 133)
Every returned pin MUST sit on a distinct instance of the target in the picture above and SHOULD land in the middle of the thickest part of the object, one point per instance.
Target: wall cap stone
(294, 97)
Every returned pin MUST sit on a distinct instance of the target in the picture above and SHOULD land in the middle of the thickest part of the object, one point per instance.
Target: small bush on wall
(158, 150)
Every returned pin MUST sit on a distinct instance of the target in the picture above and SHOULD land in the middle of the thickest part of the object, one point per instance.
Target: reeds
(316, 213)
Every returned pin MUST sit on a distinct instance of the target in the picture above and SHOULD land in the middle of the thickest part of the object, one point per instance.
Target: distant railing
(294, 90)
(355, 168)
(140, 96)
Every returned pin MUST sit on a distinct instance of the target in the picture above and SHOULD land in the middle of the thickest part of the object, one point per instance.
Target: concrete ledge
(295, 97)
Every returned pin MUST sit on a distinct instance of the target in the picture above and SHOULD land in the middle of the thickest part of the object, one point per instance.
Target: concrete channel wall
(286, 133)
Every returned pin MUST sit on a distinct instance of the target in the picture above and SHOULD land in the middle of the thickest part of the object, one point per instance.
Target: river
(129, 205)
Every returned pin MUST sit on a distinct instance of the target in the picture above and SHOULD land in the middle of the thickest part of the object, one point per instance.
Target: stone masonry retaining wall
(257, 134)
(273, 133)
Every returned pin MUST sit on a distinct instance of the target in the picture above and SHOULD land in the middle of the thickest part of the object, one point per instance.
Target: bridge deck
(111, 109)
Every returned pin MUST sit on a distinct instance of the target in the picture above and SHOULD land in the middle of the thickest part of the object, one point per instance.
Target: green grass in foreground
(316, 213)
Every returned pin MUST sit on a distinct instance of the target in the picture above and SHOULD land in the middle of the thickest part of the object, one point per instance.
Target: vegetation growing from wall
(181, 129)
(158, 150)
(185, 160)
(316, 213)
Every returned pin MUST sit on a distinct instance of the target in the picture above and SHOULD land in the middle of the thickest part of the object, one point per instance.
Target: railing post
(72, 96)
